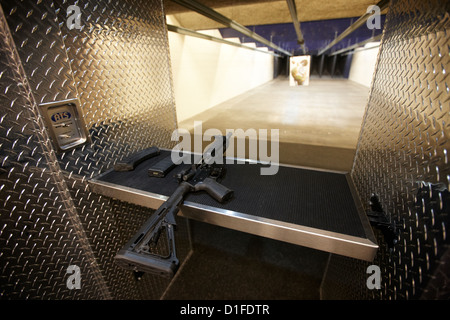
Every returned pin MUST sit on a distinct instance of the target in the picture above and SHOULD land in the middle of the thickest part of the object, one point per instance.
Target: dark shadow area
(228, 264)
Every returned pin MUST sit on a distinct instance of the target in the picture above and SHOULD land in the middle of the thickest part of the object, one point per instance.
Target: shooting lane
(64, 208)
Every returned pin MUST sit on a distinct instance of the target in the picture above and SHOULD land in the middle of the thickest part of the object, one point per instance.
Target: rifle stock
(165, 266)
(136, 255)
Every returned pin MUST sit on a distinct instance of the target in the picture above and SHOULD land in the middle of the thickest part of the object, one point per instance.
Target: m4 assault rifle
(139, 254)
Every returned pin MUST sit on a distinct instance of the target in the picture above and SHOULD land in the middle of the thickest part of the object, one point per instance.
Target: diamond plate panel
(121, 68)
(38, 236)
(36, 34)
(118, 66)
(402, 153)
(122, 71)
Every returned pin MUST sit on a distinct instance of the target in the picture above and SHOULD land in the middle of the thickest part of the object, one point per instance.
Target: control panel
(65, 122)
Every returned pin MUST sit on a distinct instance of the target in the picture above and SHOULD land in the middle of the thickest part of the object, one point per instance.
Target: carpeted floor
(231, 265)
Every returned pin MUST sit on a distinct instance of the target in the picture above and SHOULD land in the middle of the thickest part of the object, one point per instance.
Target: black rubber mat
(304, 197)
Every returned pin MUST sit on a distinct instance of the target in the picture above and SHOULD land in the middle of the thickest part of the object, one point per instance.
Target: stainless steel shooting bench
(308, 207)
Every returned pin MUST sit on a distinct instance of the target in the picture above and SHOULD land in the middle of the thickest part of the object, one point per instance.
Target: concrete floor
(318, 124)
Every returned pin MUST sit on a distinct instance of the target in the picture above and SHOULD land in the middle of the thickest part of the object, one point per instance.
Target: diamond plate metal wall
(41, 235)
(121, 69)
(117, 64)
(402, 156)
(122, 72)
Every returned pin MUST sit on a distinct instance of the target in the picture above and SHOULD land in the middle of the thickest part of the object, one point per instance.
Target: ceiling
(262, 12)
(321, 21)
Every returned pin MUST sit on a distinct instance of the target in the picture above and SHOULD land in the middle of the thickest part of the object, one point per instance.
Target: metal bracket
(65, 122)
(379, 219)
